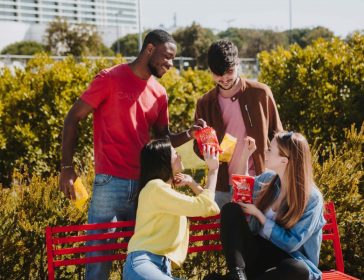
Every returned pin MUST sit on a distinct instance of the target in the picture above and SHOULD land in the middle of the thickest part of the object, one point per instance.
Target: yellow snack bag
(81, 194)
(228, 146)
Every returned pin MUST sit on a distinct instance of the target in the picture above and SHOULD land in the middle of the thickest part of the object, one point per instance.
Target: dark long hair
(155, 162)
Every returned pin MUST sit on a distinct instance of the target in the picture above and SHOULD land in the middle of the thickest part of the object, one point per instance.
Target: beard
(153, 70)
(231, 86)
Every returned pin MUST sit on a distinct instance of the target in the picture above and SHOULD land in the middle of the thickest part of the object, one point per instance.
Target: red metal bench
(66, 244)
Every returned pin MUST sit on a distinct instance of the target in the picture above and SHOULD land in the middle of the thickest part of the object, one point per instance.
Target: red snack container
(242, 188)
(207, 136)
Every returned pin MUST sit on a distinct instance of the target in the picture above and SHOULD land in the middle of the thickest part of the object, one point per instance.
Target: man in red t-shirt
(127, 102)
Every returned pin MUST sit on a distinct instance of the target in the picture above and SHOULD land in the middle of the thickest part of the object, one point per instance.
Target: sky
(340, 16)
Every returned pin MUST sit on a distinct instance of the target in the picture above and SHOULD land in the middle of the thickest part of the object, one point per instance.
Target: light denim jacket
(303, 240)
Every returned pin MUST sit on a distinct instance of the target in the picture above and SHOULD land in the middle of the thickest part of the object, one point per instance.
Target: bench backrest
(331, 232)
(66, 245)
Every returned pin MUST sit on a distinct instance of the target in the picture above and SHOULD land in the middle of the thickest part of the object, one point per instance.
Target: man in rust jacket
(239, 107)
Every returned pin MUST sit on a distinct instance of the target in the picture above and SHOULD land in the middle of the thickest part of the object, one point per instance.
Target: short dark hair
(156, 37)
(221, 56)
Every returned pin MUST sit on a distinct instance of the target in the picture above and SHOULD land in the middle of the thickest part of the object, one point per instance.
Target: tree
(194, 41)
(127, 45)
(63, 38)
(250, 42)
(262, 40)
(305, 36)
(234, 35)
(23, 48)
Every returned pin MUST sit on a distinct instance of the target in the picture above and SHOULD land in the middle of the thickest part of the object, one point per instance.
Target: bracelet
(66, 167)
(188, 134)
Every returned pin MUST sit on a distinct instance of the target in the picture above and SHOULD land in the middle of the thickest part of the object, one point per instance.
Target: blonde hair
(298, 176)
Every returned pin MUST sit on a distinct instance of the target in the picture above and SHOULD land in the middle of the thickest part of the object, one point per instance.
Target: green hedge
(183, 91)
(340, 179)
(319, 89)
(33, 105)
(29, 207)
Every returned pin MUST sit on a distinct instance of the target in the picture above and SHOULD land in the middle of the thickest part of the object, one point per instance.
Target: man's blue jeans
(144, 265)
(113, 199)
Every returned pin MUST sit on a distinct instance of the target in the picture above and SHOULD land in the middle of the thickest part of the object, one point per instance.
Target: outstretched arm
(248, 150)
(178, 139)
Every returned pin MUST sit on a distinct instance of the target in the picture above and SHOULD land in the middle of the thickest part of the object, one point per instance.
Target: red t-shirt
(125, 109)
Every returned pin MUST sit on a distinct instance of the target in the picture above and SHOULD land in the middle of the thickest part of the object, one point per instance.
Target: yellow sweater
(161, 224)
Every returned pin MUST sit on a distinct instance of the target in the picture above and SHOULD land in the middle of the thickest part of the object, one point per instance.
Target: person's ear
(150, 48)
(284, 160)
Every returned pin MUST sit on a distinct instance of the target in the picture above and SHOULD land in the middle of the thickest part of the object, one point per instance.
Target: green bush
(26, 211)
(319, 90)
(28, 208)
(183, 91)
(23, 48)
(33, 105)
(340, 179)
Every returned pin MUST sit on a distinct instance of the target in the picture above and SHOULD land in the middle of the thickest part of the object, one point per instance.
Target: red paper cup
(242, 188)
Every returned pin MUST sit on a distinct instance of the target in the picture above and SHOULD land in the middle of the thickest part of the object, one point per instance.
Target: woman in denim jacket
(282, 238)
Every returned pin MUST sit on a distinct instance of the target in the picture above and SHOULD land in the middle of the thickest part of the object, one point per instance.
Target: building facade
(28, 19)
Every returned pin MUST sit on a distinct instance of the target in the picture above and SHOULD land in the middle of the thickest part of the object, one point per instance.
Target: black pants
(253, 253)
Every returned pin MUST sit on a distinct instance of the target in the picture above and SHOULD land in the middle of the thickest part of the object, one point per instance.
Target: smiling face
(176, 162)
(161, 58)
(274, 160)
(227, 80)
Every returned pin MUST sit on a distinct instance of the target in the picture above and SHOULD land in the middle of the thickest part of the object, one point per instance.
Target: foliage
(23, 48)
(319, 90)
(250, 42)
(306, 36)
(28, 208)
(183, 91)
(340, 178)
(129, 44)
(26, 211)
(63, 38)
(33, 105)
(194, 41)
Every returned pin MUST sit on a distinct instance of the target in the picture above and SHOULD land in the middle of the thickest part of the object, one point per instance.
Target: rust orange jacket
(260, 116)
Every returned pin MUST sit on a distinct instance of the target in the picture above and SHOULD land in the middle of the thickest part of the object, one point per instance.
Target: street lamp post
(139, 27)
(290, 21)
(118, 15)
(118, 40)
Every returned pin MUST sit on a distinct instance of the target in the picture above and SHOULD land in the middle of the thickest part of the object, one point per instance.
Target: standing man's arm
(79, 111)
(198, 115)
(178, 139)
(275, 124)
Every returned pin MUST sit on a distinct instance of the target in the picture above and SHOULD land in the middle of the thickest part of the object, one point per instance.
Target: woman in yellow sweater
(161, 230)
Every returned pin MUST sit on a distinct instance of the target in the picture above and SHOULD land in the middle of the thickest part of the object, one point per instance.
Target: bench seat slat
(81, 238)
(95, 248)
